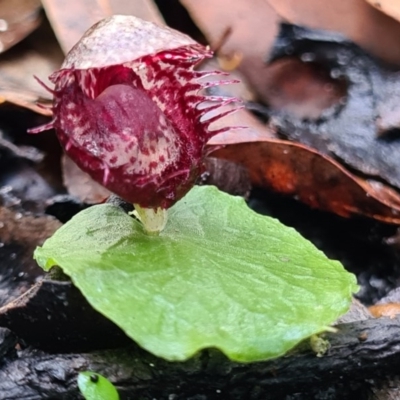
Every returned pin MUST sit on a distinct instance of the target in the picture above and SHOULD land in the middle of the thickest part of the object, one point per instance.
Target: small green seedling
(96, 387)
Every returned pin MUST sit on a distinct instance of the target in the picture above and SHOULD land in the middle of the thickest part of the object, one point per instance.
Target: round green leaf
(219, 275)
(95, 387)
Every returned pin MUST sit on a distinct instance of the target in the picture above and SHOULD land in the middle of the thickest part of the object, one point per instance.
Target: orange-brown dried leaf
(319, 181)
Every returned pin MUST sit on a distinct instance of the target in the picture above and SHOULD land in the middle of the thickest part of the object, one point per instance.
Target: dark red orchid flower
(128, 109)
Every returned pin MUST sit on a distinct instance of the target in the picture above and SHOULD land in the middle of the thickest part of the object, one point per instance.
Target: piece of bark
(392, 297)
(357, 312)
(359, 352)
(348, 131)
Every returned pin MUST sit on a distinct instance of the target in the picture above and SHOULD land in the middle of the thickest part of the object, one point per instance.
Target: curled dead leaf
(317, 180)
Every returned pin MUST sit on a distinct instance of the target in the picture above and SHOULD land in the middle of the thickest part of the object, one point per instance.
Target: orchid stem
(153, 219)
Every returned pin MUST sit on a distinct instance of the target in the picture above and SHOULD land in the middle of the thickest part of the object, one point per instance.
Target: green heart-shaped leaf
(219, 275)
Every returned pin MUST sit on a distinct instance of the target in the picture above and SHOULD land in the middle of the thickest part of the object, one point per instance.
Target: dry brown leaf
(297, 170)
(253, 28)
(39, 55)
(70, 23)
(356, 19)
(29, 229)
(18, 18)
(25, 100)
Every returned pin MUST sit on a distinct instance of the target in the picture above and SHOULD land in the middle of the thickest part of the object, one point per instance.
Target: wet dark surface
(29, 176)
(15, 276)
(64, 207)
(60, 320)
(353, 130)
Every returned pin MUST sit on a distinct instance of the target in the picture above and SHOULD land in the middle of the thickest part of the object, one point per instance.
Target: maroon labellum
(127, 109)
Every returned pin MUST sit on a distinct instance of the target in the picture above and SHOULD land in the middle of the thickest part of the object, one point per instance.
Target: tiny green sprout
(96, 387)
